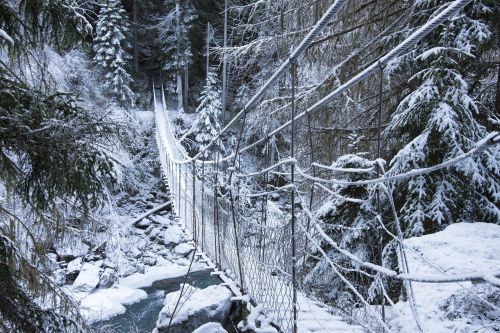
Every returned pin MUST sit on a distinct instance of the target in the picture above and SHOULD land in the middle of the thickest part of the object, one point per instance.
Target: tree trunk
(497, 97)
(186, 87)
(179, 71)
(224, 66)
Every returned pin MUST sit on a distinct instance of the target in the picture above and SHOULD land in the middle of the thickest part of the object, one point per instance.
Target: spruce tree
(110, 44)
(174, 29)
(442, 117)
(207, 124)
(50, 160)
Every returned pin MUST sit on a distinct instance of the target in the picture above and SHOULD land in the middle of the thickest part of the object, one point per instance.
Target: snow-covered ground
(453, 307)
(316, 318)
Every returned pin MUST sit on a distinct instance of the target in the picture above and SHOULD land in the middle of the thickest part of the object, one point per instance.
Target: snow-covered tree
(349, 218)
(207, 124)
(110, 44)
(174, 28)
(440, 118)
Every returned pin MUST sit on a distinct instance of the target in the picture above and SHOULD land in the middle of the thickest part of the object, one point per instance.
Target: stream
(141, 317)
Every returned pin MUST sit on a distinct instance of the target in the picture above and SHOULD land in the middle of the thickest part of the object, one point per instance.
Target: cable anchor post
(293, 72)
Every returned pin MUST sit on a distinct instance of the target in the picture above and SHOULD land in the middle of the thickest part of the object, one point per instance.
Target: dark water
(141, 317)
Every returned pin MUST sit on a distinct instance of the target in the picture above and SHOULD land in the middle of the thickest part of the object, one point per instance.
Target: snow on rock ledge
(210, 328)
(173, 236)
(197, 307)
(183, 249)
(88, 278)
(106, 303)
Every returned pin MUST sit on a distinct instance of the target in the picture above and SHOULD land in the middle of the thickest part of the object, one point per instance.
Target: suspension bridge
(262, 251)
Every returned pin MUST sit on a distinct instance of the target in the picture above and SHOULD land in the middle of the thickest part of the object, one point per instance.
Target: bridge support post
(293, 73)
(203, 205)
(179, 190)
(185, 194)
(379, 152)
(216, 204)
(194, 227)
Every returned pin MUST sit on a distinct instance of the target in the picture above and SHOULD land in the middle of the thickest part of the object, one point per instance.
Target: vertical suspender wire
(231, 197)
(294, 254)
(235, 230)
(311, 195)
(195, 229)
(203, 205)
(379, 207)
(179, 190)
(265, 199)
(219, 245)
(185, 194)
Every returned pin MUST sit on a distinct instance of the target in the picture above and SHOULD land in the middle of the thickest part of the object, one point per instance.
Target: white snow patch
(106, 303)
(173, 235)
(155, 273)
(88, 278)
(74, 265)
(183, 249)
(210, 328)
(214, 301)
(314, 317)
(459, 249)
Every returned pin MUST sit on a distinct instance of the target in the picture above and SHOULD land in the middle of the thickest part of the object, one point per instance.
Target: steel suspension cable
(420, 33)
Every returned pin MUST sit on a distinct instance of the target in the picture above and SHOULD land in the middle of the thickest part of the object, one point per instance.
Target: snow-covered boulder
(106, 303)
(75, 265)
(107, 278)
(173, 236)
(150, 261)
(135, 252)
(140, 268)
(210, 328)
(183, 249)
(154, 233)
(198, 307)
(73, 269)
(126, 269)
(182, 262)
(88, 278)
(143, 224)
(161, 220)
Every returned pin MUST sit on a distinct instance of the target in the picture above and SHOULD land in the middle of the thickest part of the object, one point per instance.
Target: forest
(218, 166)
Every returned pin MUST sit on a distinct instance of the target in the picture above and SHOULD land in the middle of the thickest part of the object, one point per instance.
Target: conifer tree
(174, 29)
(207, 124)
(110, 46)
(440, 118)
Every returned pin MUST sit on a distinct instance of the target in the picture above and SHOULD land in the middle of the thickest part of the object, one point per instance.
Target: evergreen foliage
(353, 225)
(207, 123)
(441, 118)
(174, 39)
(50, 160)
(110, 44)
